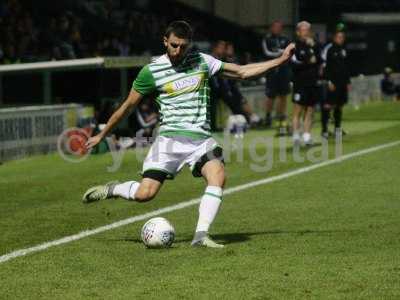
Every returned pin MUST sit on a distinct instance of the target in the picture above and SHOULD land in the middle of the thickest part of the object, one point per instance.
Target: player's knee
(144, 195)
(217, 177)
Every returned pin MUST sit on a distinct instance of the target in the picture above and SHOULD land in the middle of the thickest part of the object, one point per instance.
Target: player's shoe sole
(100, 192)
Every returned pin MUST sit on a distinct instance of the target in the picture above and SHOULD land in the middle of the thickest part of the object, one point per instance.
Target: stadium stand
(72, 29)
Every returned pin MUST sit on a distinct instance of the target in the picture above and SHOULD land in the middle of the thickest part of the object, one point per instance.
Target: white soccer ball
(158, 233)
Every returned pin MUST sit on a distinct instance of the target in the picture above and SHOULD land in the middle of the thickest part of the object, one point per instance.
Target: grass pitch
(331, 233)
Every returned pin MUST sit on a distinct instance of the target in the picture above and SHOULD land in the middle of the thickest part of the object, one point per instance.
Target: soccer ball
(158, 233)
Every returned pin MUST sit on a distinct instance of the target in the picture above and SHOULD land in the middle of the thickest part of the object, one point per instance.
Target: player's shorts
(168, 155)
(277, 84)
(306, 96)
(338, 97)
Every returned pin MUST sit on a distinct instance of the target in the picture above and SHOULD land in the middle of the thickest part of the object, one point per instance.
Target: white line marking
(86, 233)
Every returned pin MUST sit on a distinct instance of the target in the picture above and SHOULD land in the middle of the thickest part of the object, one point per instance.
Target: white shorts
(171, 154)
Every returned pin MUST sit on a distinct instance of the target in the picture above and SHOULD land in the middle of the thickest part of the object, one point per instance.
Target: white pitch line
(86, 233)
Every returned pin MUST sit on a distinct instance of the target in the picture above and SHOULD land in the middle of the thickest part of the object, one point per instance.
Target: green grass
(332, 233)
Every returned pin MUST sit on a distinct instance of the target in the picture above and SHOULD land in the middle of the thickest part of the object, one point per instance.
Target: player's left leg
(337, 115)
(325, 115)
(341, 100)
(296, 114)
(214, 174)
(308, 118)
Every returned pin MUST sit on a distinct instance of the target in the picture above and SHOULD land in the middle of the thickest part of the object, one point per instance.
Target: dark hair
(181, 29)
(276, 22)
(216, 43)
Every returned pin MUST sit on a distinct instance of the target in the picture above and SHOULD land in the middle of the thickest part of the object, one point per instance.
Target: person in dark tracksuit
(226, 89)
(337, 74)
(277, 80)
(306, 64)
(221, 88)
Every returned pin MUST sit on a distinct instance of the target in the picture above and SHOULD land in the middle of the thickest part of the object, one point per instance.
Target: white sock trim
(126, 190)
(215, 191)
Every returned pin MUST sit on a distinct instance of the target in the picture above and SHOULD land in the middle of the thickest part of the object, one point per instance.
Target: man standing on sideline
(306, 63)
(338, 76)
(278, 80)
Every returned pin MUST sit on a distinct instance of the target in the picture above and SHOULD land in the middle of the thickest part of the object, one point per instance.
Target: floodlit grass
(332, 233)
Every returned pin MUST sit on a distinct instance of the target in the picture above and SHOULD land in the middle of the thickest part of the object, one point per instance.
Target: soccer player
(180, 80)
(306, 63)
(278, 80)
(338, 76)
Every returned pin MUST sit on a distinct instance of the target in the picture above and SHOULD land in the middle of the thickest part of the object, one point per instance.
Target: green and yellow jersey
(183, 93)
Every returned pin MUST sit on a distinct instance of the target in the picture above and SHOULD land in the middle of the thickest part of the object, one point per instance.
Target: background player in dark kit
(338, 77)
(306, 63)
(278, 80)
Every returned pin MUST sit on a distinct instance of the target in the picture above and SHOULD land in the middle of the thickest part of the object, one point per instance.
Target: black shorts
(306, 96)
(338, 97)
(277, 84)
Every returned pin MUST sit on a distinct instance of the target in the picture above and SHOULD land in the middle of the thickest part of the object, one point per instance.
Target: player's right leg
(269, 107)
(144, 191)
(270, 94)
(283, 89)
(297, 109)
(158, 166)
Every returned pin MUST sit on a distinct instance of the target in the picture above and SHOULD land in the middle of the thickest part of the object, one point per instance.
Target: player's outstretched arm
(248, 71)
(130, 102)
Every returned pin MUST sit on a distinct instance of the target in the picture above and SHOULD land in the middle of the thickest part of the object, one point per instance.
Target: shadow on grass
(239, 237)
(303, 148)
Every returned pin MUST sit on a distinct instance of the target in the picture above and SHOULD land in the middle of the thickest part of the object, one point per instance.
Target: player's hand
(349, 88)
(288, 52)
(93, 141)
(331, 87)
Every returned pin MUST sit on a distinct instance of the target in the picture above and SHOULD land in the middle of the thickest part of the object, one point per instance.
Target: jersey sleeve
(214, 65)
(144, 83)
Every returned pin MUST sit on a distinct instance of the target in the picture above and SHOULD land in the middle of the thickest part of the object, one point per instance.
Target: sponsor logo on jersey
(184, 85)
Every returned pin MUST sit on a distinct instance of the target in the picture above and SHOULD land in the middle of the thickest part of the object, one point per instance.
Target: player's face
(176, 47)
(276, 28)
(339, 38)
(304, 32)
(230, 50)
(219, 49)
